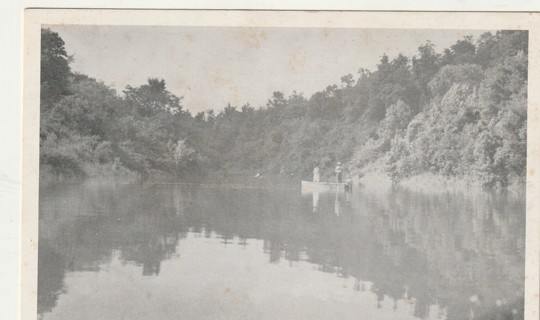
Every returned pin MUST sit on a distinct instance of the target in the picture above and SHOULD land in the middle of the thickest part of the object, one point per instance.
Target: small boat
(310, 186)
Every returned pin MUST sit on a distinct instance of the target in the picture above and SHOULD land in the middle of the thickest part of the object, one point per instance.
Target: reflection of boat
(310, 186)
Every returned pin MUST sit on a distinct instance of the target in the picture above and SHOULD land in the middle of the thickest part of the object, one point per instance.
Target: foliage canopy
(459, 113)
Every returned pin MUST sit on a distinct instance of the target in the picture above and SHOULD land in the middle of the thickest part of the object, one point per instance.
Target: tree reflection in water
(461, 251)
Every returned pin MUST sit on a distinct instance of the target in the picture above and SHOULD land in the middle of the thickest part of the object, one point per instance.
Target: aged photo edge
(34, 18)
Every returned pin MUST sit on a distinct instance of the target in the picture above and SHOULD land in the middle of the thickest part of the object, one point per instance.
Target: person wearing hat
(316, 173)
(339, 172)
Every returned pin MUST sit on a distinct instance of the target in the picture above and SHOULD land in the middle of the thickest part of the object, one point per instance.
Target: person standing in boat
(339, 172)
(316, 174)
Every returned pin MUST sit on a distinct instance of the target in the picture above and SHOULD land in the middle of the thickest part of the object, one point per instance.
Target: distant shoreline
(374, 180)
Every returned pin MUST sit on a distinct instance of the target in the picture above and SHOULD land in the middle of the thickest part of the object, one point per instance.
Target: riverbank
(103, 173)
(122, 175)
(428, 183)
(373, 178)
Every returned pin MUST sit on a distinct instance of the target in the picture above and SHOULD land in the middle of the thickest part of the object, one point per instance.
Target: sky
(214, 66)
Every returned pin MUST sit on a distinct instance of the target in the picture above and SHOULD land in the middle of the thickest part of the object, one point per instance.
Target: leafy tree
(277, 100)
(396, 120)
(347, 80)
(425, 66)
(55, 70)
(152, 98)
(453, 74)
(462, 52)
(493, 49)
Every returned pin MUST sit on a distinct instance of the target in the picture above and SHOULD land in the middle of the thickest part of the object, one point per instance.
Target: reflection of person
(337, 204)
(315, 201)
(380, 297)
(339, 172)
(316, 174)
(348, 185)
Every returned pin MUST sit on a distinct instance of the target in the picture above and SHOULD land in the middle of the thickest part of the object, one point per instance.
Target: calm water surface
(191, 252)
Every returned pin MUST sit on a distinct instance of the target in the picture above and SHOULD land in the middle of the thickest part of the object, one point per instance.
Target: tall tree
(153, 97)
(55, 69)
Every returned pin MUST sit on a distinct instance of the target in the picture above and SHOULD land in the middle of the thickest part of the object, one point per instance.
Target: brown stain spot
(190, 37)
(531, 172)
(227, 290)
(326, 32)
(297, 60)
(252, 38)
(187, 53)
(221, 78)
(366, 35)
(127, 36)
(148, 295)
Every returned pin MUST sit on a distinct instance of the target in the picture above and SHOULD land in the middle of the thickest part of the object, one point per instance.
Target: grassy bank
(428, 183)
(94, 172)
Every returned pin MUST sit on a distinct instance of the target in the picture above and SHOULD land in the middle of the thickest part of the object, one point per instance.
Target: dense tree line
(473, 121)
(460, 113)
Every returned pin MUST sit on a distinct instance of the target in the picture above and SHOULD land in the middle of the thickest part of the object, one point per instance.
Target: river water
(208, 252)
